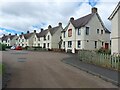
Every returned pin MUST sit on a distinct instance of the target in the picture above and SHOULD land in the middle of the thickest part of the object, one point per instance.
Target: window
(69, 44)
(48, 45)
(64, 34)
(44, 38)
(102, 43)
(87, 30)
(48, 37)
(38, 44)
(38, 39)
(69, 32)
(64, 44)
(79, 44)
(97, 31)
(101, 31)
(79, 31)
(35, 39)
(22, 40)
(95, 44)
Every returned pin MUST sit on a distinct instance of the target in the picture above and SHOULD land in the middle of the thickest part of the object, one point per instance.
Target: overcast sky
(18, 16)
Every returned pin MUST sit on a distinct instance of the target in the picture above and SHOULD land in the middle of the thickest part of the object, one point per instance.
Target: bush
(2, 47)
(103, 50)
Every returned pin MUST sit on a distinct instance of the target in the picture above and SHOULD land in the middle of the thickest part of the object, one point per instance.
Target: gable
(115, 11)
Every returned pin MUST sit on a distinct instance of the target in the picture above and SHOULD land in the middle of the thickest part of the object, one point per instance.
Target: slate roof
(44, 32)
(4, 38)
(115, 11)
(81, 22)
(27, 35)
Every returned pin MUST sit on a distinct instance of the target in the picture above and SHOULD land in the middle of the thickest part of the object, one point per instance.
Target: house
(115, 34)
(25, 39)
(49, 38)
(9, 40)
(87, 32)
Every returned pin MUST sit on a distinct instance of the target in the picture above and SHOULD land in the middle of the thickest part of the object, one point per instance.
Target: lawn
(2, 68)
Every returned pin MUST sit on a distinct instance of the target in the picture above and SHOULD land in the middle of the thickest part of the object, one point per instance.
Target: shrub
(2, 47)
(103, 50)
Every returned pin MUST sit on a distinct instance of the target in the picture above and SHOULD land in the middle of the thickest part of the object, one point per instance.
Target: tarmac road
(45, 70)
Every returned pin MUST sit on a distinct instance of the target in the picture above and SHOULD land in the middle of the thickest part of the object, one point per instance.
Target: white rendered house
(87, 32)
(48, 38)
(115, 34)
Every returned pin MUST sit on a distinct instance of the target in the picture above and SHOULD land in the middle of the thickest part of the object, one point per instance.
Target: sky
(18, 16)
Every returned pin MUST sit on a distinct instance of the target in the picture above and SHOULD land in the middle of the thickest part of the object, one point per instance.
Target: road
(45, 70)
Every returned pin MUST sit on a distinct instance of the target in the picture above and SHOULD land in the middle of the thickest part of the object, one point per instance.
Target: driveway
(45, 70)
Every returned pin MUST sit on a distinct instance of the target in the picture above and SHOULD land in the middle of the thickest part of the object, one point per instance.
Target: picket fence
(105, 60)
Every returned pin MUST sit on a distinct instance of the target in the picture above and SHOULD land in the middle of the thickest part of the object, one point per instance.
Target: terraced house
(49, 38)
(25, 39)
(87, 32)
(115, 35)
(9, 40)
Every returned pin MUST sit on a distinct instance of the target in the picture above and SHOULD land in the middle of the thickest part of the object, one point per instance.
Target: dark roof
(4, 38)
(44, 32)
(27, 35)
(115, 11)
(82, 21)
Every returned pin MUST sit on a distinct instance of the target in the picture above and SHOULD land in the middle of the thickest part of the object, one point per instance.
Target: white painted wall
(115, 35)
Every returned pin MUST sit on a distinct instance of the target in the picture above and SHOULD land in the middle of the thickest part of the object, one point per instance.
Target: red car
(18, 48)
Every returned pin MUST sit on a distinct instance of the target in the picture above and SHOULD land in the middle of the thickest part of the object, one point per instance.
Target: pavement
(45, 70)
(112, 76)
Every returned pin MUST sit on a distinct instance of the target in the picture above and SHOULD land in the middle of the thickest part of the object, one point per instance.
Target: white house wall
(56, 38)
(115, 36)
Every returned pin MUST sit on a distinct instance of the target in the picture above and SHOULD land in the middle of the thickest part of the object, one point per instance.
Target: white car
(12, 48)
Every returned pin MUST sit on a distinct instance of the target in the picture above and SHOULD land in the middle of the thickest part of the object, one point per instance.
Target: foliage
(2, 47)
(104, 51)
(2, 68)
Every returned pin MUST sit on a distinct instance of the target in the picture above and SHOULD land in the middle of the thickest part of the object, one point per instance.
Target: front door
(106, 45)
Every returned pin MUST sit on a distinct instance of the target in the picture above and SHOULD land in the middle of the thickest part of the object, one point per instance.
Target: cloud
(24, 15)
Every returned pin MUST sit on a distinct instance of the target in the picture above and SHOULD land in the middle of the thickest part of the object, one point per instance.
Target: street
(45, 70)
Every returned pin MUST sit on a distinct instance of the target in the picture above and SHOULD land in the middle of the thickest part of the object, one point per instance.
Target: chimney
(72, 18)
(10, 34)
(49, 26)
(94, 10)
(22, 33)
(3, 34)
(16, 34)
(60, 24)
(41, 29)
(34, 31)
(28, 32)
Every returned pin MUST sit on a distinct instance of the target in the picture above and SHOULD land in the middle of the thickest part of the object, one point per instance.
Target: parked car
(18, 48)
(13, 48)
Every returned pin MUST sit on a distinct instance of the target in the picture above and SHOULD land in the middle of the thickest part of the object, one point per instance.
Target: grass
(2, 68)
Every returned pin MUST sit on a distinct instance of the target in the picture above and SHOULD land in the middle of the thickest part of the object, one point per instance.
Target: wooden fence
(104, 60)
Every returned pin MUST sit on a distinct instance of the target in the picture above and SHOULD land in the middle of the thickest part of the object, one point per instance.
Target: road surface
(45, 70)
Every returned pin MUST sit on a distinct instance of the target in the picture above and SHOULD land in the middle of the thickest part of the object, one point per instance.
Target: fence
(104, 60)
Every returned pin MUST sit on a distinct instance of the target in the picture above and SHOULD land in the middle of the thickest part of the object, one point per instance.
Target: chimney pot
(28, 32)
(22, 33)
(72, 18)
(49, 26)
(10, 34)
(3, 34)
(60, 24)
(34, 31)
(94, 10)
(16, 34)
(41, 29)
